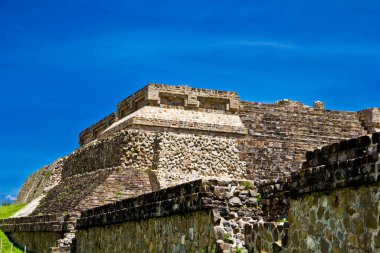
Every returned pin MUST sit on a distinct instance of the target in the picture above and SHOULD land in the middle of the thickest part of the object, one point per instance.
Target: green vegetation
(226, 237)
(258, 197)
(8, 210)
(5, 212)
(247, 185)
(238, 249)
(205, 250)
(47, 174)
(209, 250)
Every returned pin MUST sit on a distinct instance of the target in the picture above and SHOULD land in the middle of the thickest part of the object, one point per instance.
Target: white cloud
(10, 197)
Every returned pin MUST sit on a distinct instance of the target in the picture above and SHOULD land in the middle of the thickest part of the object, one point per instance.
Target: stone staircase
(119, 185)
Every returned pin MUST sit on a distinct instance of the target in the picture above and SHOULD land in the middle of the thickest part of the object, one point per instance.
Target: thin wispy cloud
(323, 48)
(257, 43)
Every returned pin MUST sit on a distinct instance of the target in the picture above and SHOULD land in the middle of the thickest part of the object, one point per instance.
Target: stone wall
(280, 134)
(345, 220)
(266, 236)
(224, 208)
(97, 155)
(169, 97)
(200, 215)
(235, 205)
(183, 97)
(274, 195)
(169, 158)
(175, 219)
(330, 205)
(35, 242)
(161, 119)
(188, 232)
(91, 133)
(46, 223)
(335, 199)
(38, 233)
(187, 157)
(370, 119)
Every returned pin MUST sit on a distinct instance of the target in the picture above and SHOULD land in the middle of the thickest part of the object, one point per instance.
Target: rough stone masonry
(181, 169)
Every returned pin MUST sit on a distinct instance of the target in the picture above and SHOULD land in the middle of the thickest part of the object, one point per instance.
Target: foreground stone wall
(330, 205)
(335, 200)
(224, 208)
(35, 242)
(188, 232)
(281, 133)
(175, 219)
(266, 236)
(203, 216)
(39, 233)
(345, 220)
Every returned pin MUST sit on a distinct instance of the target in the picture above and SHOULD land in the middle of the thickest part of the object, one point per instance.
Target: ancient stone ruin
(180, 169)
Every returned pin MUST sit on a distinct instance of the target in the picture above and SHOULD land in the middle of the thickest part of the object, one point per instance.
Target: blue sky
(65, 64)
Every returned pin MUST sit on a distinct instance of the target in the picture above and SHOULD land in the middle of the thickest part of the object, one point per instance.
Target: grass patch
(47, 174)
(6, 212)
(9, 210)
